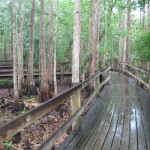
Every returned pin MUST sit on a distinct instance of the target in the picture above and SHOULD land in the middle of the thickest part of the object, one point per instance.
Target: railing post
(62, 78)
(137, 74)
(124, 67)
(62, 75)
(96, 84)
(109, 72)
(120, 65)
(148, 81)
(127, 68)
(76, 104)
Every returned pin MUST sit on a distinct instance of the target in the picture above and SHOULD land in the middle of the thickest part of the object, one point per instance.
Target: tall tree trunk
(91, 45)
(11, 47)
(95, 37)
(90, 25)
(148, 29)
(109, 9)
(16, 93)
(76, 42)
(91, 35)
(50, 53)
(5, 41)
(120, 36)
(143, 18)
(20, 54)
(55, 65)
(5, 45)
(44, 87)
(126, 51)
(93, 40)
(30, 81)
(75, 101)
(106, 33)
(140, 19)
(97, 18)
(148, 15)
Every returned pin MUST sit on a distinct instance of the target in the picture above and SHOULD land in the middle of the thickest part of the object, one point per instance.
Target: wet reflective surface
(118, 120)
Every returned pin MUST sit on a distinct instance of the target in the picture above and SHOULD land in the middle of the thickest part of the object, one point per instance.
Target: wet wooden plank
(87, 143)
(85, 122)
(117, 137)
(95, 134)
(81, 144)
(101, 138)
(142, 145)
(140, 135)
(114, 141)
(86, 133)
(84, 125)
(85, 129)
(126, 127)
(147, 130)
(133, 122)
(110, 135)
(146, 124)
(123, 122)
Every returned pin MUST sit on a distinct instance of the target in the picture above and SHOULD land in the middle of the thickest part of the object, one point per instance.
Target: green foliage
(7, 144)
(110, 9)
(24, 110)
(141, 4)
(142, 46)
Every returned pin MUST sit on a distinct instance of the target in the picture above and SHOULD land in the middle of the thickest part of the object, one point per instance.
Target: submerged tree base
(44, 94)
(51, 86)
(16, 106)
(31, 90)
(89, 90)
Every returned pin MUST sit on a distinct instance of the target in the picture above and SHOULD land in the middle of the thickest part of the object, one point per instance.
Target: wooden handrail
(141, 70)
(136, 74)
(12, 127)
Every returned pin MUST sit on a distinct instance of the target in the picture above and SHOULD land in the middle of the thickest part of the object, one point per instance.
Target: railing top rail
(145, 80)
(136, 68)
(14, 126)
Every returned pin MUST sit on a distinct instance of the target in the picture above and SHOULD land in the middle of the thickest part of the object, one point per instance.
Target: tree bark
(55, 49)
(109, 9)
(44, 87)
(126, 51)
(120, 36)
(50, 53)
(90, 25)
(76, 42)
(16, 93)
(140, 19)
(93, 40)
(106, 33)
(75, 100)
(91, 34)
(20, 54)
(97, 28)
(143, 19)
(94, 34)
(30, 80)
(5, 40)
(148, 16)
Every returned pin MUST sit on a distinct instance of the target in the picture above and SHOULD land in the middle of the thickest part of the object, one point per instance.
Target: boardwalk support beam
(76, 104)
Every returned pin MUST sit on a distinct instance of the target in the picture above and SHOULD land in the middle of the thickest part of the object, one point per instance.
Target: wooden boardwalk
(118, 120)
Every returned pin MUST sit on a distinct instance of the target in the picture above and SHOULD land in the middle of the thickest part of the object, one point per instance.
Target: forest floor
(32, 136)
